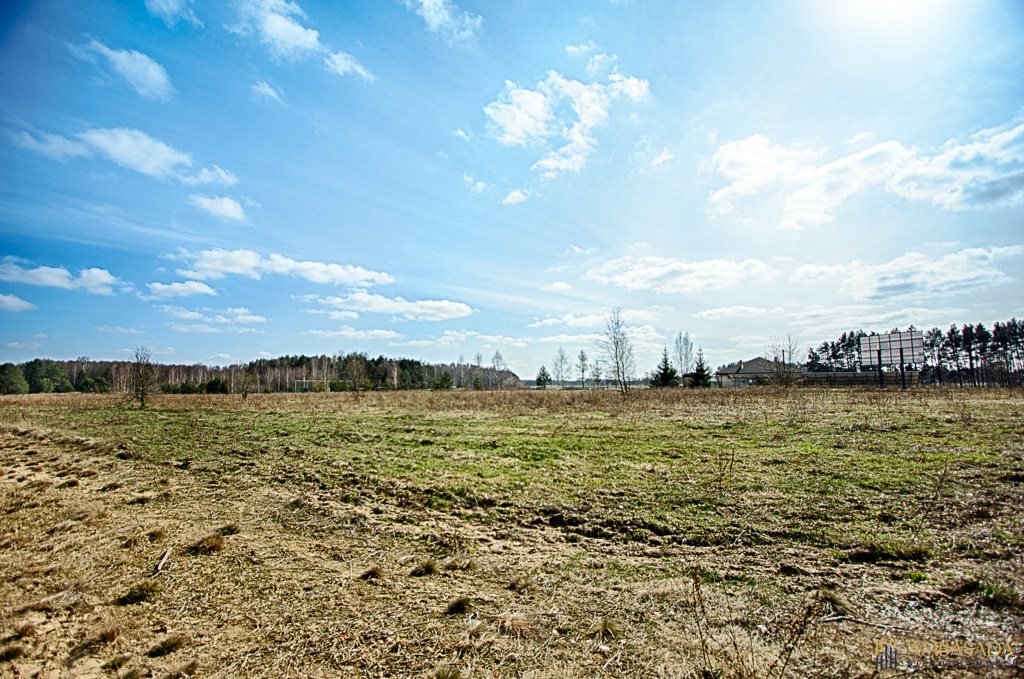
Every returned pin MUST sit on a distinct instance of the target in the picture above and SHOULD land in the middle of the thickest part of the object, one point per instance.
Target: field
(747, 533)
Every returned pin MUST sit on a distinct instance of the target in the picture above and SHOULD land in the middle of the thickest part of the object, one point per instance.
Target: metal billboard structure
(894, 348)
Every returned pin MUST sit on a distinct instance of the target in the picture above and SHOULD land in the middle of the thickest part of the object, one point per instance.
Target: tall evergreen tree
(701, 372)
(12, 381)
(664, 375)
(543, 378)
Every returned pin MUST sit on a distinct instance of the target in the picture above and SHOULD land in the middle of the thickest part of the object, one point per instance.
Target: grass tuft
(117, 662)
(424, 568)
(459, 606)
(12, 652)
(229, 529)
(210, 544)
(189, 669)
(605, 629)
(372, 573)
(521, 585)
(167, 645)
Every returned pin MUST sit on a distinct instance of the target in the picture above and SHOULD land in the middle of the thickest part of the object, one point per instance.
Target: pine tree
(543, 378)
(701, 372)
(664, 375)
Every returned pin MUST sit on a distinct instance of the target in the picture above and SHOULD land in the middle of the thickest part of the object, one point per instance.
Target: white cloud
(276, 23)
(580, 50)
(916, 275)
(561, 286)
(462, 134)
(832, 184)
(146, 76)
(137, 151)
(519, 116)
(23, 345)
(179, 289)
(51, 145)
(264, 89)
(229, 316)
(561, 108)
(445, 19)
(676, 275)
(984, 171)
(348, 332)
(222, 207)
(343, 63)
(119, 330)
(733, 312)
(210, 175)
(217, 263)
(515, 196)
(473, 184)
(207, 329)
(418, 310)
(665, 156)
(599, 63)
(172, 11)
(454, 339)
(755, 163)
(14, 303)
(93, 280)
(813, 273)
(596, 319)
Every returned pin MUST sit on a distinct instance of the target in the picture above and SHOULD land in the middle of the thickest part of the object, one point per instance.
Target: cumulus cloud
(221, 207)
(446, 19)
(677, 275)
(559, 109)
(595, 319)
(473, 184)
(418, 310)
(210, 175)
(14, 303)
(173, 11)
(92, 280)
(515, 196)
(178, 289)
(23, 345)
(145, 75)
(217, 263)
(985, 170)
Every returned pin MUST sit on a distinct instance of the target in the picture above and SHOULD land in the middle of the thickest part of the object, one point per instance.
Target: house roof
(754, 366)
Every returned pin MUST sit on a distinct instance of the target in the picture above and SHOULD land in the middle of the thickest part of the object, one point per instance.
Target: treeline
(349, 372)
(966, 355)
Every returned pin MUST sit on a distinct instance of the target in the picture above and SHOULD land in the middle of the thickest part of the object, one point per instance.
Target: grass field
(738, 533)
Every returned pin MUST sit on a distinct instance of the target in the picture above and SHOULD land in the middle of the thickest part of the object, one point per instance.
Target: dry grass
(139, 592)
(424, 568)
(167, 645)
(665, 535)
(208, 544)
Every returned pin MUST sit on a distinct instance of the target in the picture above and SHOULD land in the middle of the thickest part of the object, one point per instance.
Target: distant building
(746, 373)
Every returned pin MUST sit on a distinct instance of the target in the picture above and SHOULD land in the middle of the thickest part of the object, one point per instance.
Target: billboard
(911, 342)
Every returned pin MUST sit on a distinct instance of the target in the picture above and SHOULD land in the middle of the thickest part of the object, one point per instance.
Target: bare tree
(560, 366)
(618, 350)
(784, 369)
(141, 375)
(581, 365)
(682, 349)
(498, 364)
(596, 369)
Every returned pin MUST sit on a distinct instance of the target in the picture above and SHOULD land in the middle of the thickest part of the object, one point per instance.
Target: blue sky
(222, 181)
